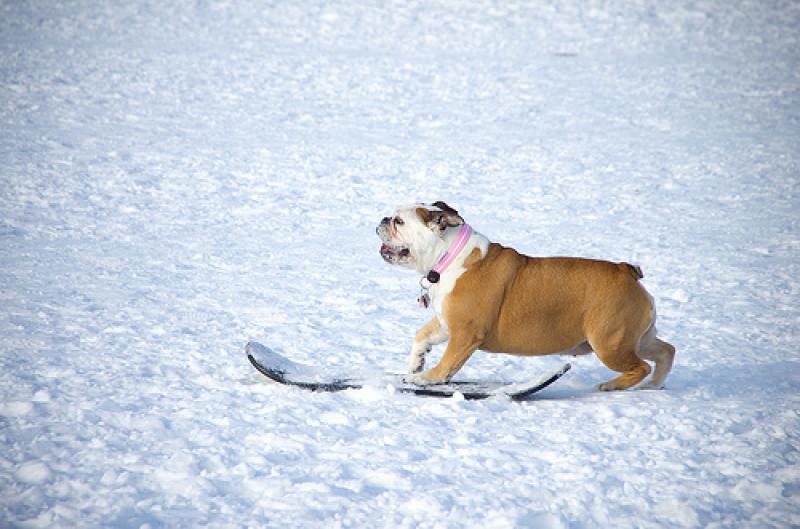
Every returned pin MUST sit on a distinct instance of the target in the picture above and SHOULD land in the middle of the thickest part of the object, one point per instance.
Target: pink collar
(451, 254)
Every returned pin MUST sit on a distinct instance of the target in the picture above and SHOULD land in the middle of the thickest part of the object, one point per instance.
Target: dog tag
(424, 300)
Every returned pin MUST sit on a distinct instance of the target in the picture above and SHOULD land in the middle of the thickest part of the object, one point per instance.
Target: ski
(283, 371)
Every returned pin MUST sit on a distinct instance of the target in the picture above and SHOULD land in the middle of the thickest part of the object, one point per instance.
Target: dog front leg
(432, 333)
(458, 351)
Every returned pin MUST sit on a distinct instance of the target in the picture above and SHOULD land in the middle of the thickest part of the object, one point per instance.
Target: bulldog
(490, 297)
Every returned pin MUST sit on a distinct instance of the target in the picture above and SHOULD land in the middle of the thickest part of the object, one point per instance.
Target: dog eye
(398, 221)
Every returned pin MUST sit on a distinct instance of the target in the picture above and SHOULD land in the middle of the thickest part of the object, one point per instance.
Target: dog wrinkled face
(395, 238)
(411, 238)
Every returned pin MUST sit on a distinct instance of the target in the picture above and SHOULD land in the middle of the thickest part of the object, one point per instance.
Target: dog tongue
(385, 248)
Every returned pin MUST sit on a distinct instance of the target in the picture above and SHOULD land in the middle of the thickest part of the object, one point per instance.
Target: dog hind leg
(620, 356)
(660, 352)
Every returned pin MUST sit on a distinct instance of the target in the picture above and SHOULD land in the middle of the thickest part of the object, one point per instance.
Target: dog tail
(635, 270)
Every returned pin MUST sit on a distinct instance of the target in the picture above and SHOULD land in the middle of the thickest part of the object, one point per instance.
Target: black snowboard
(284, 371)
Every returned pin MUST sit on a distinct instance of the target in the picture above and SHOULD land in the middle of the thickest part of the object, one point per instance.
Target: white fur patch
(447, 282)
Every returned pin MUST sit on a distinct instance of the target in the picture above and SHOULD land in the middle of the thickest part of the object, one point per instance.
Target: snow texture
(179, 177)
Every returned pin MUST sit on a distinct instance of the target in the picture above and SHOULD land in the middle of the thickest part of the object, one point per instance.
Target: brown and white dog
(493, 298)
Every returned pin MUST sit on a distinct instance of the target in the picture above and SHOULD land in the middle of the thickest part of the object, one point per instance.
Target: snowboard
(284, 371)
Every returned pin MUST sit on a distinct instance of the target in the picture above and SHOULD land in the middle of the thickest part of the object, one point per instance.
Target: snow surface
(179, 177)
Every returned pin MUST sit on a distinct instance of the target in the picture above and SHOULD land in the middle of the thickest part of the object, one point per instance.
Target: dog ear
(446, 218)
(444, 207)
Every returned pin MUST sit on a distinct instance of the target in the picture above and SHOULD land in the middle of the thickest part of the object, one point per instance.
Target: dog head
(414, 236)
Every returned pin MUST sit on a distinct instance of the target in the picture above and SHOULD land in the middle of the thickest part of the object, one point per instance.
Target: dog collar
(451, 254)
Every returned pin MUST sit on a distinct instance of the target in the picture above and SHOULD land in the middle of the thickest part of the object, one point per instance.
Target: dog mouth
(394, 253)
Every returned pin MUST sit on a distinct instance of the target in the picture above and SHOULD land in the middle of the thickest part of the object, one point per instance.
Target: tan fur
(506, 302)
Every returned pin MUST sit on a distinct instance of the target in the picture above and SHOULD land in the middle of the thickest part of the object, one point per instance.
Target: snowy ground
(179, 177)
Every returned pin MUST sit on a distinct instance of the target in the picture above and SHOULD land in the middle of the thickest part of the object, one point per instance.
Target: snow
(177, 178)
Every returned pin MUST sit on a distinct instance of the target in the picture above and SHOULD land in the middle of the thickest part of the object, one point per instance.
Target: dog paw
(651, 386)
(416, 363)
(416, 360)
(420, 379)
(414, 368)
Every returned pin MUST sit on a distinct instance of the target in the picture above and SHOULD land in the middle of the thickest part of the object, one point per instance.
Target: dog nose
(385, 220)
